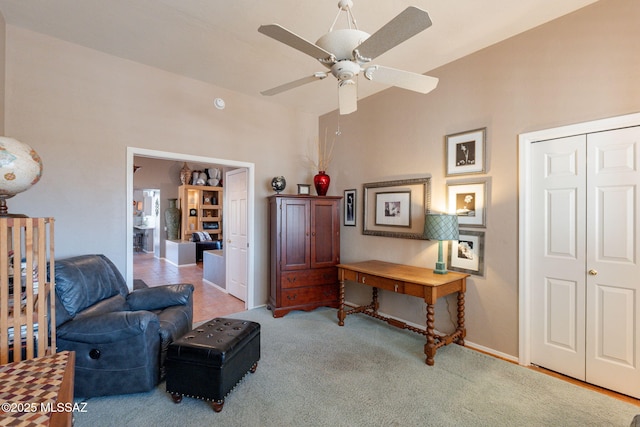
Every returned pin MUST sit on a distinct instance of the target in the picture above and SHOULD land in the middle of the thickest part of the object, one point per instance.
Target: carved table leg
(177, 397)
(461, 326)
(430, 346)
(375, 303)
(341, 315)
(217, 405)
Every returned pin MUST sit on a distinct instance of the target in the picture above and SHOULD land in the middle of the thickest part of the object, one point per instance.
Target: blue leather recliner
(120, 337)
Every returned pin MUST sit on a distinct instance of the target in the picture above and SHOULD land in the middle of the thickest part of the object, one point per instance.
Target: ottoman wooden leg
(177, 397)
(217, 405)
(253, 368)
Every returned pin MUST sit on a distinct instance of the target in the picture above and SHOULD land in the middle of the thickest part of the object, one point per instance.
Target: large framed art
(396, 208)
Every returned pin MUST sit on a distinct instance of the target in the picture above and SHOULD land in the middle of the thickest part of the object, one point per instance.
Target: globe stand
(4, 212)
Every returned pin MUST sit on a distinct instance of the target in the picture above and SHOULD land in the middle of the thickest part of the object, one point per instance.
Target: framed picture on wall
(393, 208)
(466, 254)
(396, 208)
(468, 201)
(350, 207)
(465, 152)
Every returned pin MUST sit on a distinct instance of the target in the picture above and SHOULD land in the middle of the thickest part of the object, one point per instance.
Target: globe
(20, 168)
(278, 184)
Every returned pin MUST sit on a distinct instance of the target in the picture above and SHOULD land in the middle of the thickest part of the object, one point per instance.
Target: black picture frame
(350, 203)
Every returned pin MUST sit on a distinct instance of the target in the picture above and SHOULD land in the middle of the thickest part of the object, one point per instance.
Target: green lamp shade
(441, 227)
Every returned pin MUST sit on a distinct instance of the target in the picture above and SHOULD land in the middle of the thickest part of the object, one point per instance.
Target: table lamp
(441, 227)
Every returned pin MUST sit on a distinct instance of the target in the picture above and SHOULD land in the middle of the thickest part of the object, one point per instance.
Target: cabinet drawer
(307, 295)
(381, 282)
(297, 279)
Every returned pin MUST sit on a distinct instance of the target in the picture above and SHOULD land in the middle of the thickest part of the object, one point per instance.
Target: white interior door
(613, 271)
(558, 262)
(584, 264)
(236, 234)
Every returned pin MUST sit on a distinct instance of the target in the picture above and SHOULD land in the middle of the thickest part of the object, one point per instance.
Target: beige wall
(80, 109)
(578, 68)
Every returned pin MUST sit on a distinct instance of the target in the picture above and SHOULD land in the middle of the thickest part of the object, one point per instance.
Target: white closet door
(558, 255)
(585, 271)
(613, 271)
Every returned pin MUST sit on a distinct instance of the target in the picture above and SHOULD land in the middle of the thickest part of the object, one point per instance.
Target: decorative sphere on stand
(278, 184)
(20, 168)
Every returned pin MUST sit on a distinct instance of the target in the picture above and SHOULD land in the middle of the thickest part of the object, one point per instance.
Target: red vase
(321, 182)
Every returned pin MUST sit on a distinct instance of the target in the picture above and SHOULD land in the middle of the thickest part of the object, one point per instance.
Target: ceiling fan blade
(294, 84)
(407, 24)
(285, 36)
(403, 79)
(347, 96)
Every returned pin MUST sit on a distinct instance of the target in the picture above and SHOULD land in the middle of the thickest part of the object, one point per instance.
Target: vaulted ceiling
(217, 41)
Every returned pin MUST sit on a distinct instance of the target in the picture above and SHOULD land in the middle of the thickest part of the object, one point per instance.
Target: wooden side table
(408, 280)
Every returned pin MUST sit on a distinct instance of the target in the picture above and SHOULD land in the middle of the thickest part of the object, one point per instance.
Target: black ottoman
(209, 361)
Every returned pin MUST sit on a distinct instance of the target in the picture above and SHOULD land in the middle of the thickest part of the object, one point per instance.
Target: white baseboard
(491, 351)
(177, 265)
(215, 286)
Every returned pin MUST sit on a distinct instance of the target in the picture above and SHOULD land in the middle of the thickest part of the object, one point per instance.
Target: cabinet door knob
(593, 272)
(363, 279)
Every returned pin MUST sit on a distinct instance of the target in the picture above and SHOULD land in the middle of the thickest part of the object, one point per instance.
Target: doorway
(179, 157)
(579, 235)
(146, 221)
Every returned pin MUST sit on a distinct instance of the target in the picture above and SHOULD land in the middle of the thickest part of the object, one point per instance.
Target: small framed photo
(466, 254)
(304, 189)
(468, 201)
(350, 208)
(193, 212)
(393, 209)
(465, 152)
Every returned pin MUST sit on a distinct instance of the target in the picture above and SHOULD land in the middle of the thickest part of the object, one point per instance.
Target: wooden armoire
(305, 249)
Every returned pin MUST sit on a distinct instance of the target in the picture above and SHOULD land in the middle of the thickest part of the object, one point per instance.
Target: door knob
(593, 272)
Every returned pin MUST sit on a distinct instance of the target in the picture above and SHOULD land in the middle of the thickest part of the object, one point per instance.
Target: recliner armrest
(109, 327)
(160, 297)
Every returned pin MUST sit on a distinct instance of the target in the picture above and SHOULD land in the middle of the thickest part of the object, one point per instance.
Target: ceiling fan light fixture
(345, 70)
(342, 42)
(346, 51)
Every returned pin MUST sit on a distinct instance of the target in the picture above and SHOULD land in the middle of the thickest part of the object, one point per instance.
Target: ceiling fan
(348, 53)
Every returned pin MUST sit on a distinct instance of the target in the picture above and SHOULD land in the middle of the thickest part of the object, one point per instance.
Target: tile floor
(208, 301)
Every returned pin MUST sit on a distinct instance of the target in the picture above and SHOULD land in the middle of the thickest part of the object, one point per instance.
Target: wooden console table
(408, 280)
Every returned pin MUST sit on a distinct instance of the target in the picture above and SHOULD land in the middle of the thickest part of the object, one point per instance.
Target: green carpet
(314, 373)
